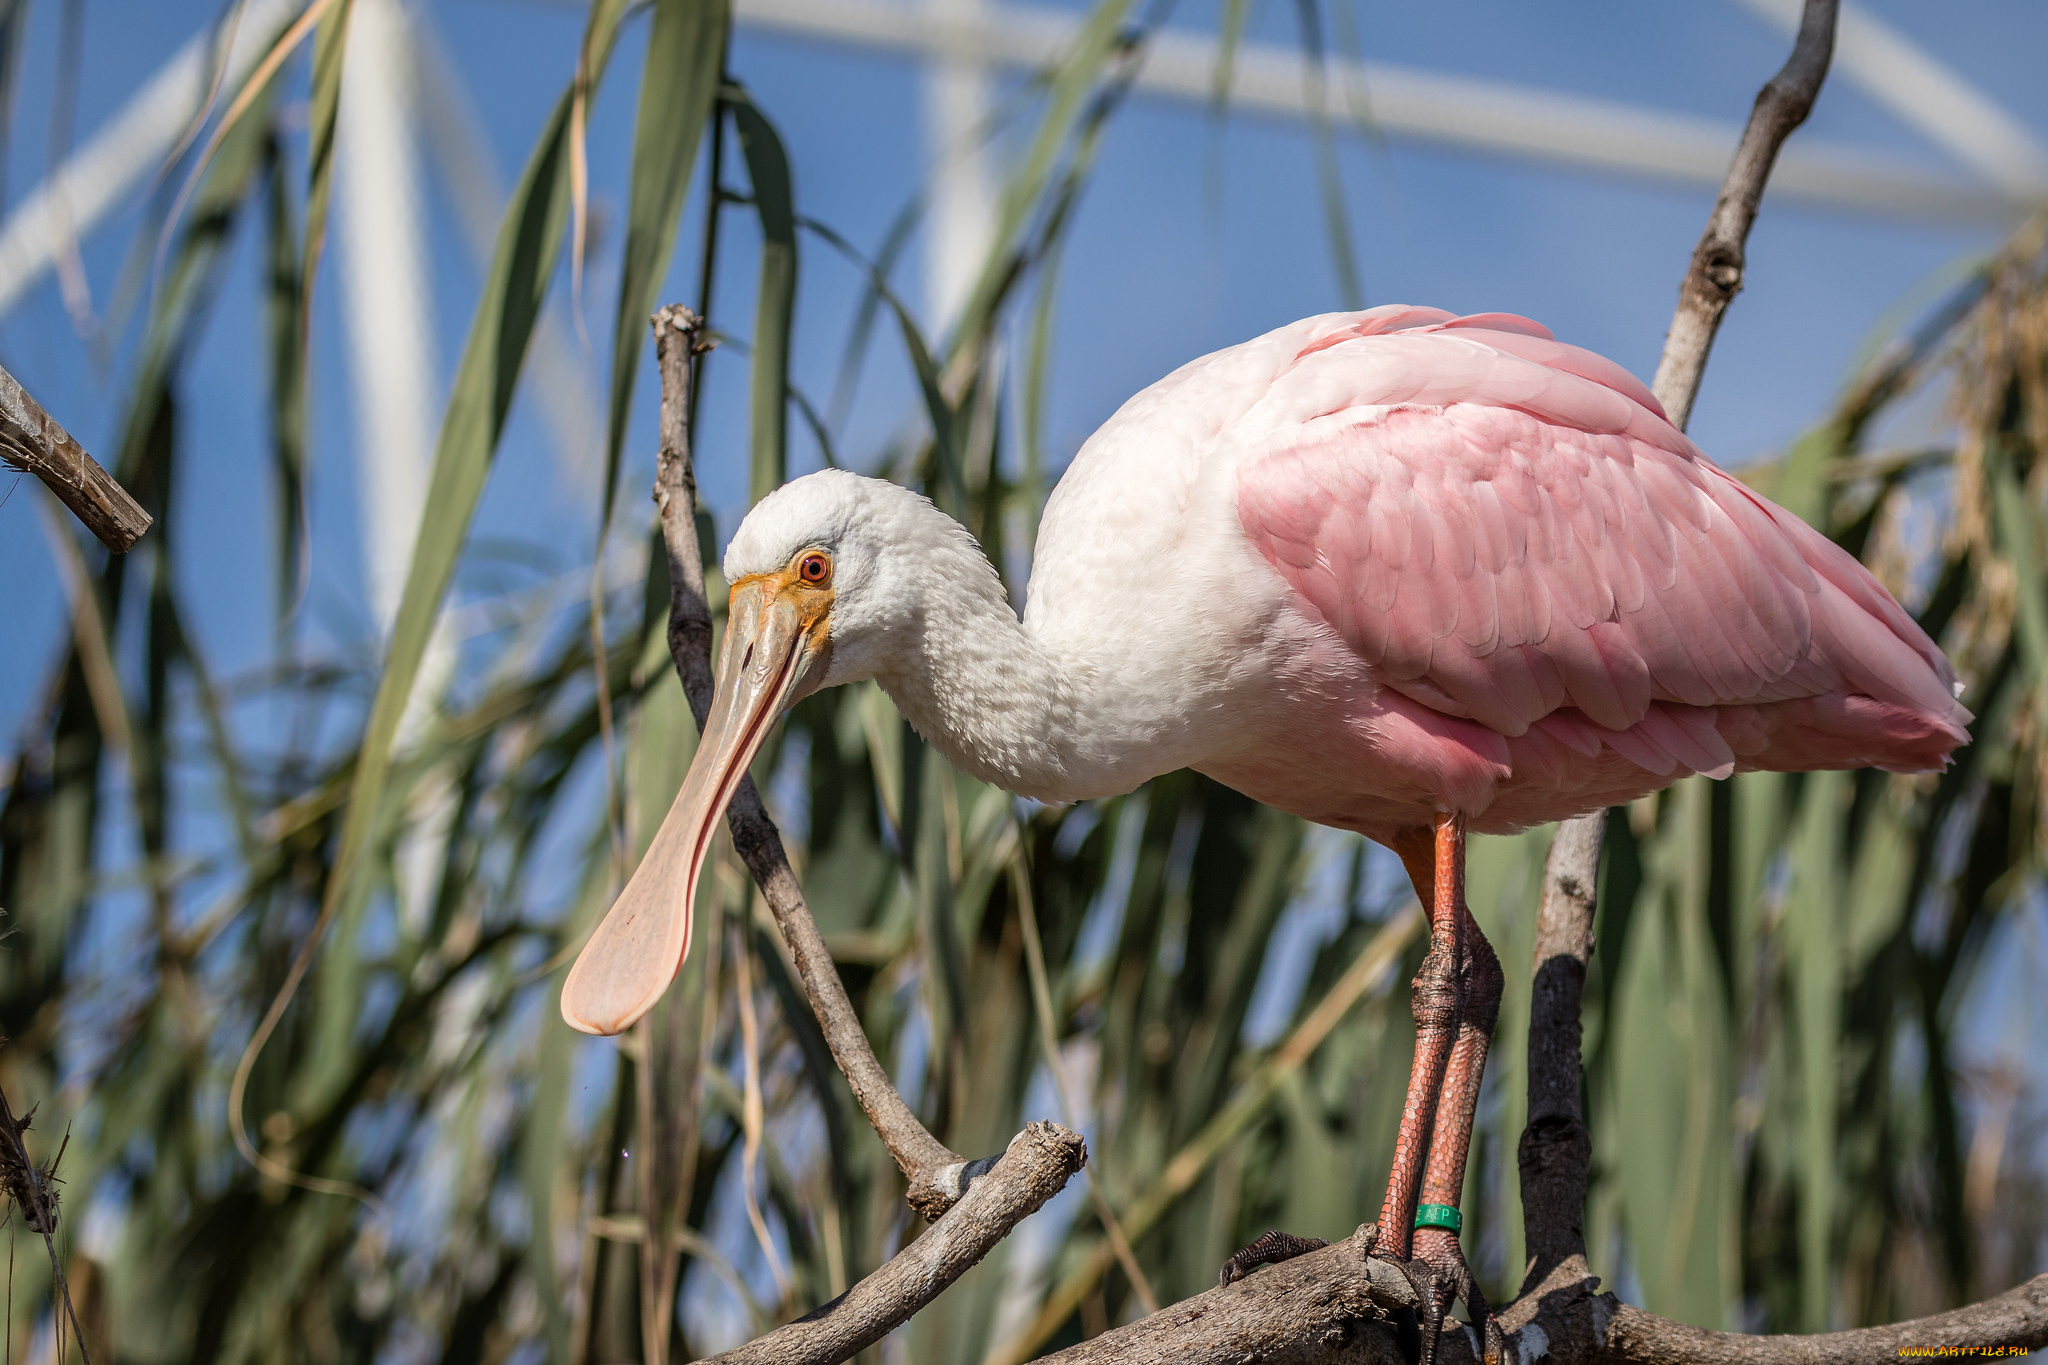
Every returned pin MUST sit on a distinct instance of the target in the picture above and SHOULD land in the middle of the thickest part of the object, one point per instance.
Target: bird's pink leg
(1435, 859)
(1478, 991)
(1480, 983)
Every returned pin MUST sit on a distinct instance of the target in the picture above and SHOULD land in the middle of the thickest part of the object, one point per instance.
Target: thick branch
(30, 439)
(1322, 1307)
(937, 1175)
(1337, 1306)
(1038, 1164)
(2016, 1318)
(1556, 1148)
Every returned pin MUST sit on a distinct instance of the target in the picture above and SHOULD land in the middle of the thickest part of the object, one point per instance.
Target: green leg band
(1438, 1216)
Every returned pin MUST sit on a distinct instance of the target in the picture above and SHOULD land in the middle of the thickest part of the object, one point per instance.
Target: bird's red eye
(814, 568)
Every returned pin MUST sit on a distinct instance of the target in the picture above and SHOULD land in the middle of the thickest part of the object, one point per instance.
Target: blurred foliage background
(1784, 1138)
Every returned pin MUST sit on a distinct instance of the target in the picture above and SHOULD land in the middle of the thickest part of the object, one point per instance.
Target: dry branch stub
(31, 440)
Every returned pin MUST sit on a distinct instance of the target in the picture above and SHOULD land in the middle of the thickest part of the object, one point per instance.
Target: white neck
(1035, 711)
(1100, 686)
(992, 697)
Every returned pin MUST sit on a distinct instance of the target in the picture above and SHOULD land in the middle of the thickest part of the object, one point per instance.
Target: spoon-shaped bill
(640, 946)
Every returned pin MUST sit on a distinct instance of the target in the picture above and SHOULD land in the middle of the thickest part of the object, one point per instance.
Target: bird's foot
(1441, 1277)
(1271, 1248)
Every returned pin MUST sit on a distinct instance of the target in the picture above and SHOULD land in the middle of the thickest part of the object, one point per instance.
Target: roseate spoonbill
(1397, 571)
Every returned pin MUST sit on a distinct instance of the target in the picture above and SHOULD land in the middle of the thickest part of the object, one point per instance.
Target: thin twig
(33, 1190)
(1718, 262)
(1038, 1164)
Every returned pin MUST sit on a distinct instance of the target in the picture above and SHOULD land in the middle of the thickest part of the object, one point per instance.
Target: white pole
(963, 217)
(1518, 122)
(388, 308)
(1409, 104)
(387, 298)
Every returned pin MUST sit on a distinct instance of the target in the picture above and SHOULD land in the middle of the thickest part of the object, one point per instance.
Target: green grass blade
(529, 242)
(2019, 539)
(775, 306)
(678, 92)
(1329, 175)
(1100, 39)
(1814, 944)
(286, 334)
(323, 108)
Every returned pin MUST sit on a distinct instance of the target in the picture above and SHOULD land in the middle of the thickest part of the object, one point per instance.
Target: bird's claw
(1270, 1248)
(1440, 1277)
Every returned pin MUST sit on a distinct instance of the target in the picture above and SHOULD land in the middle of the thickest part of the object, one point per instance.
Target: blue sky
(1192, 236)
(1162, 266)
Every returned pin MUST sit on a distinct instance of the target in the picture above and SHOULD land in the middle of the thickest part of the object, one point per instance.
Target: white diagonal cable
(127, 148)
(1929, 96)
(1407, 103)
(1417, 105)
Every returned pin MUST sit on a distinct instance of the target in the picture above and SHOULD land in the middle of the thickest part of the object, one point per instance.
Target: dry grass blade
(1371, 966)
(258, 79)
(1048, 1037)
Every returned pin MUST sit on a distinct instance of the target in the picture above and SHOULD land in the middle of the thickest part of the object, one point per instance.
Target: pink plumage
(1564, 602)
(1399, 572)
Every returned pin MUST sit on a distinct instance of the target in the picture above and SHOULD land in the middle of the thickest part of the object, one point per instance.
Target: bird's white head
(856, 559)
(832, 577)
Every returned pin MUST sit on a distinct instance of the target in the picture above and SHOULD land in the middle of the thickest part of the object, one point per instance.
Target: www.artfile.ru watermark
(1945, 1352)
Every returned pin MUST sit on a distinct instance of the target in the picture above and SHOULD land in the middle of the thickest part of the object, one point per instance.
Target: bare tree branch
(1718, 262)
(1338, 1305)
(1316, 1308)
(2016, 1318)
(1038, 1164)
(938, 1176)
(30, 439)
(1555, 1147)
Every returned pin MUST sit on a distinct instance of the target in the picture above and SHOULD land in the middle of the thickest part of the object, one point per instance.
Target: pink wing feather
(1508, 530)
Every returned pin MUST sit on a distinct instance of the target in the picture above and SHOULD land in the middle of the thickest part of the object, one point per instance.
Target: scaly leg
(1436, 1240)
(1436, 864)
(1439, 884)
